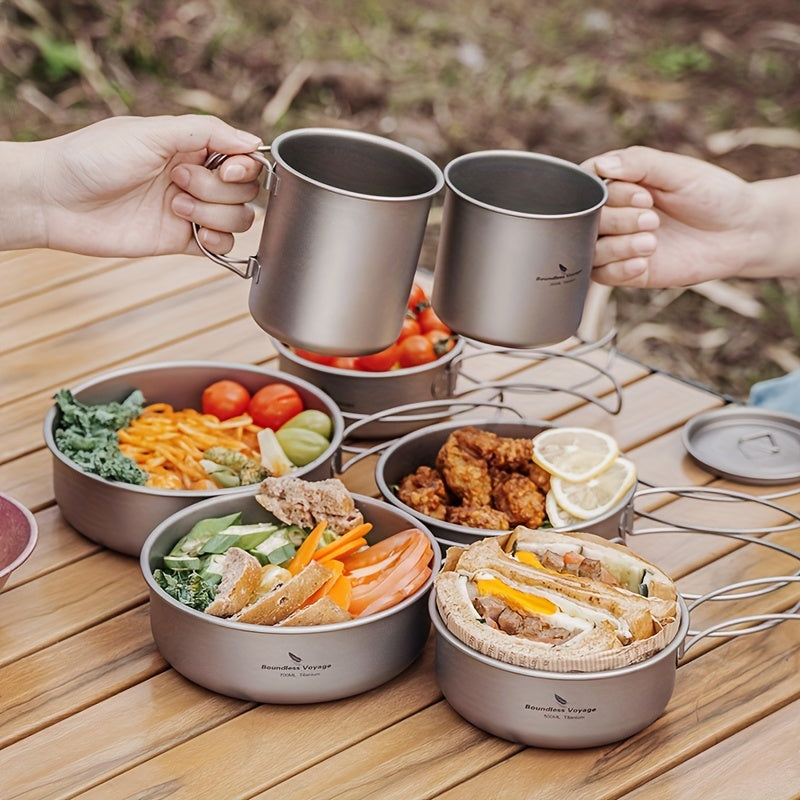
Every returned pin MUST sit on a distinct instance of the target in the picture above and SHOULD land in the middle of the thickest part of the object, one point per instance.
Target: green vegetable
(227, 467)
(188, 588)
(313, 420)
(87, 434)
(301, 445)
(192, 543)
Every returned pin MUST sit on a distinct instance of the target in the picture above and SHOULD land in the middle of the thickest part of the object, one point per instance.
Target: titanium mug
(515, 251)
(342, 235)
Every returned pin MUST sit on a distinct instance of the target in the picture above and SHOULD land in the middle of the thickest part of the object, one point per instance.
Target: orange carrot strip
(337, 568)
(354, 533)
(306, 550)
(342, 550)
(340, 592)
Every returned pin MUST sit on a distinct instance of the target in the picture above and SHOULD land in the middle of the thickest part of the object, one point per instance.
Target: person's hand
(131, 186)
(671, 220)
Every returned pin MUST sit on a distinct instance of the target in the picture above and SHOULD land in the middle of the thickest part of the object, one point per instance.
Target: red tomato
(274, 404)
(415, 350)
(442, 342)
(316, 358)
(344, 362)
(379, 362)
(417, 298)
(429, 321)
(410, 327)
(225, 399)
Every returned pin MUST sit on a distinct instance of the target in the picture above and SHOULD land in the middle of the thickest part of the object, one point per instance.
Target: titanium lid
(746, 444)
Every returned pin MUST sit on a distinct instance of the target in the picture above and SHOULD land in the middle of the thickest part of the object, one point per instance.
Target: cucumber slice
(220, 542)
(182, 562)
(201, 532)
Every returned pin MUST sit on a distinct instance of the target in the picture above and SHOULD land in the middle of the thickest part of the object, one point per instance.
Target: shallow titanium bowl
(18, 536)
(285, 665)
(420, 447)
(360, 394)
(121, 515)
(562, 710)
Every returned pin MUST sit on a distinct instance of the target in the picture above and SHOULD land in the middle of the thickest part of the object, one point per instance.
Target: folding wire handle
(740, 590)
(542, 354)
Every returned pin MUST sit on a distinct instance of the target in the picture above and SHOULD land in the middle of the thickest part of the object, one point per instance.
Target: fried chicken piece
(541, 477)
(484, 517)
(424, 491)
(503, 452)
(464, 471)
(518, 497)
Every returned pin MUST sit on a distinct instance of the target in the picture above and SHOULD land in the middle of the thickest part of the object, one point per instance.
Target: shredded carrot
(303, 556)
(341, 592)
(342, 550)
(357, 532)
(168, 444)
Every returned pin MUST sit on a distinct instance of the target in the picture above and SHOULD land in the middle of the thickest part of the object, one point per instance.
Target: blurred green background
(718, 79)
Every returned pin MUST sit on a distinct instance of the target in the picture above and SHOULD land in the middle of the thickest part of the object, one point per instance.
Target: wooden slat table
(89, 708)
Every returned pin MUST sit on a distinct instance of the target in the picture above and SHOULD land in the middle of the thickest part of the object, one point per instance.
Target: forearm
(774, 242)
(22, 215)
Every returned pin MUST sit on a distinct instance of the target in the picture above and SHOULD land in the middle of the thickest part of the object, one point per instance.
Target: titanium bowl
(561, 710)
(403, 457)
(121, 515)
(18, 536)
(285, 665)
(361, 394)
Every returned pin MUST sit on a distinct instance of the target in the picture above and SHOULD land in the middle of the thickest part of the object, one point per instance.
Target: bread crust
(271, 608)
(321, 612)
(241, 575)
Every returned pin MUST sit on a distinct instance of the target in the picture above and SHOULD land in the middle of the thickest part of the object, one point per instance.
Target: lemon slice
(596, 496)
(557, 516)
(574, 454)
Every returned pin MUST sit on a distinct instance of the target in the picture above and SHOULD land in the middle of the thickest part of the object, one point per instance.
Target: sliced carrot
(382, 549)
(341, 592)
(302, 558)
(356, 532)
(337, 568)
(342, 550)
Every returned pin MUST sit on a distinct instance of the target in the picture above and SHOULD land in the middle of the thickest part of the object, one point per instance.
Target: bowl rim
(441, 362)
(673, 647)
(202, 617)
(339, 424)
(33, 535)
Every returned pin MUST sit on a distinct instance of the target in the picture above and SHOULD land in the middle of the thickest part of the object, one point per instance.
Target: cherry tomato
(429, 321)
(415, 350)
(442, 342)
(410, 327)
(417, 298)
(381, 361)
(316, 358)
(344, 362)
(274, 404)
(225, 399)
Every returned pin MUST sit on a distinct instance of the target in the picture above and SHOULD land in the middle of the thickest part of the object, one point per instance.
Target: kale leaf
(186, 587)
(87, 434)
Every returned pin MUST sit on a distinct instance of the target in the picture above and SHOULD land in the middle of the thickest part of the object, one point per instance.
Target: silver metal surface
(342, 234)
(285, 665)
(403, 456)
(360, 394)
(18, 535)
(551, 709)
(120, 515)
(747, 444)
(516, 246)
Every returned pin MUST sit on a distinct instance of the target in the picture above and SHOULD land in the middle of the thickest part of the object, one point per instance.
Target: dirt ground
(717, 79)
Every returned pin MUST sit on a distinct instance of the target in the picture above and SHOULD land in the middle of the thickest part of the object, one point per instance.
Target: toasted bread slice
(241, 575)
(320, 612)
(305, 503)
(276, 605)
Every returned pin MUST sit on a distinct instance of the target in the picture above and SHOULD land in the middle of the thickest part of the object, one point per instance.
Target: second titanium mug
(342, 235)
(515, 251)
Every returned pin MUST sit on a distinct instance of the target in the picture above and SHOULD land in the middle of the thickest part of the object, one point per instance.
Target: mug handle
(213, 161)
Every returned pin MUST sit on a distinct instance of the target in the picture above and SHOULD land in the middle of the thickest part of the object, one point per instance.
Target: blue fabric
(778, 394)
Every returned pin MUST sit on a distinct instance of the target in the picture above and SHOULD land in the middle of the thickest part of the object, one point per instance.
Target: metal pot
(121, 515)
(285, 665)
(403, 457)
(360, 394)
